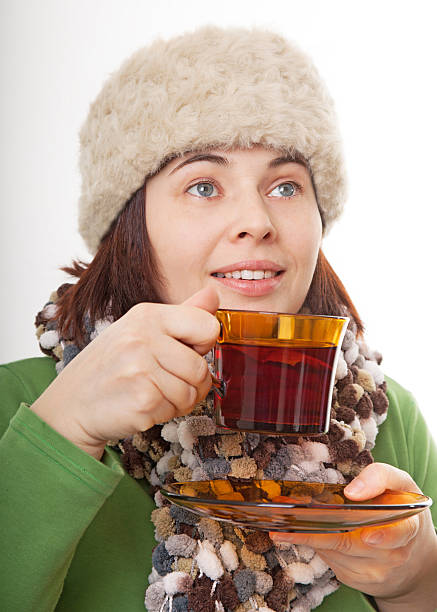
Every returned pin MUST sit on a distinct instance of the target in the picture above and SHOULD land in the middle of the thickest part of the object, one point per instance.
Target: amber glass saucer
(280, 505)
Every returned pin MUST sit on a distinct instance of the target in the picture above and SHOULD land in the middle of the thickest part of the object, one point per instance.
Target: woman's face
(238, 222)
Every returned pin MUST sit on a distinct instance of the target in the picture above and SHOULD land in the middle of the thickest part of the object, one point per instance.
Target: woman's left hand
(396, 563)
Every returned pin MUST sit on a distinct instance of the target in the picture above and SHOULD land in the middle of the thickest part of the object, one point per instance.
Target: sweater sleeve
(50, 493)
(406, 442)
(422, 455)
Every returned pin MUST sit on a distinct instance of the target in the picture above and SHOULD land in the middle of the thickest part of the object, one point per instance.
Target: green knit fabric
(76, 533)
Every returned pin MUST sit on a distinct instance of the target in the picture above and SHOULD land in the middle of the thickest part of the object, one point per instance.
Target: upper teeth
(247, 274)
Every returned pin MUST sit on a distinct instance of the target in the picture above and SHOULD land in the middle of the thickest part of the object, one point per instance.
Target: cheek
(185, 245)
(304, 238)
(164, 229)
(181, 245)
(311, 246)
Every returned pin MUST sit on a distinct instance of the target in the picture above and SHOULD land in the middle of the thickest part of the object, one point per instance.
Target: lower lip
(254, 288)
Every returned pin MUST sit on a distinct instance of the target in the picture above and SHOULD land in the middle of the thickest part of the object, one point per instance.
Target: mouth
(251, 275)
(252, 278)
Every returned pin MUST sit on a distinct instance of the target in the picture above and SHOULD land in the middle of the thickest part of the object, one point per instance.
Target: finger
(164, 410)
(195, 327)
(376, 478)
(204, 388)
(207, 299)
(181, 361)
(346, 543)
(359, 570)
(394, 535)
(179, 393)
(360, 542)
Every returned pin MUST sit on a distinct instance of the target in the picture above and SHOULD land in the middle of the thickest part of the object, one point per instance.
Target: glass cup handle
(221, 334)
(219, 386)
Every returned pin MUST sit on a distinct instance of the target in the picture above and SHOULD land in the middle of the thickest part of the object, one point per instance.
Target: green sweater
(76, 533)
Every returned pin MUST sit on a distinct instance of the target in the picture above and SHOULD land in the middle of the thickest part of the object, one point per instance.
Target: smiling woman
(197, 197)
(136, 247)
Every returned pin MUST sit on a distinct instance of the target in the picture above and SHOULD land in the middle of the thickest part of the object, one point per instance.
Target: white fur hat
(214, 86)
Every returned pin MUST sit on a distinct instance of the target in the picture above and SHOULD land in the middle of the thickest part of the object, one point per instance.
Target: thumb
(376, 478)
(207, 299)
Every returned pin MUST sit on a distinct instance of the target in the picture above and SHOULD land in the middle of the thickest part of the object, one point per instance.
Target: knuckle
(147, 396)
(400, 556)
(129, 376)
(132, 345)
(141, 309)
(143, 367)
(161, 410)
(136, 374)
(344, 544)
(130, 342)
(412, 528)
(144, 316)
(376, 575)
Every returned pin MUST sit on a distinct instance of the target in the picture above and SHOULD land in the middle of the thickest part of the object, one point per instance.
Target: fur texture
(228, 87)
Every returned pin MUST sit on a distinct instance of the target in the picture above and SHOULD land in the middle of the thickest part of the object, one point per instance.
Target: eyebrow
(222, 161)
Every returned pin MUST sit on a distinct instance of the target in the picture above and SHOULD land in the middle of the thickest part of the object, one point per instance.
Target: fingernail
(354, 487)
(375, 538)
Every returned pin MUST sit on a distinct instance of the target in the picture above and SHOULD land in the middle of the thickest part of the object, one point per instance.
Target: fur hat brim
(224, 87)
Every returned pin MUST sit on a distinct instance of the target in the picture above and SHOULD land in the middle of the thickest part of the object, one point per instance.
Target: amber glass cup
(276, 371)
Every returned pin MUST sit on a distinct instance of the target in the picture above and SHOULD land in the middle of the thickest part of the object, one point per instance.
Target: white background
(379, 62)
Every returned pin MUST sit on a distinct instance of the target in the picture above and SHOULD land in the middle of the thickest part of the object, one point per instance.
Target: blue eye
(203, 189)
(287, 190)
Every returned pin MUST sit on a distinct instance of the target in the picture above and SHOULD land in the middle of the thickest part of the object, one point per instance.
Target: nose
(252, 219)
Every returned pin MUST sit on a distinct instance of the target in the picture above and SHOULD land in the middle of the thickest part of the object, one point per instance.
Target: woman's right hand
(138, 372)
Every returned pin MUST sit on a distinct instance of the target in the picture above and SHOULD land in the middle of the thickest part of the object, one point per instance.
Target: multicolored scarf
(206, 565)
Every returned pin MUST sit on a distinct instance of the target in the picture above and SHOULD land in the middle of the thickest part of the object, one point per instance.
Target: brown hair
(124, 273)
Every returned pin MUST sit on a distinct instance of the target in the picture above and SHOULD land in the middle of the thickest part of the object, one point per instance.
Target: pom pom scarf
(211, 566)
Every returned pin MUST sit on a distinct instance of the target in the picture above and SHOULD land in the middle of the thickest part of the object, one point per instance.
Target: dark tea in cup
(276, 371)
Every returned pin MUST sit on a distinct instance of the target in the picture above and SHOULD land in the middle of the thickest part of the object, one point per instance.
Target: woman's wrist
(40, 408)
(421, 594)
